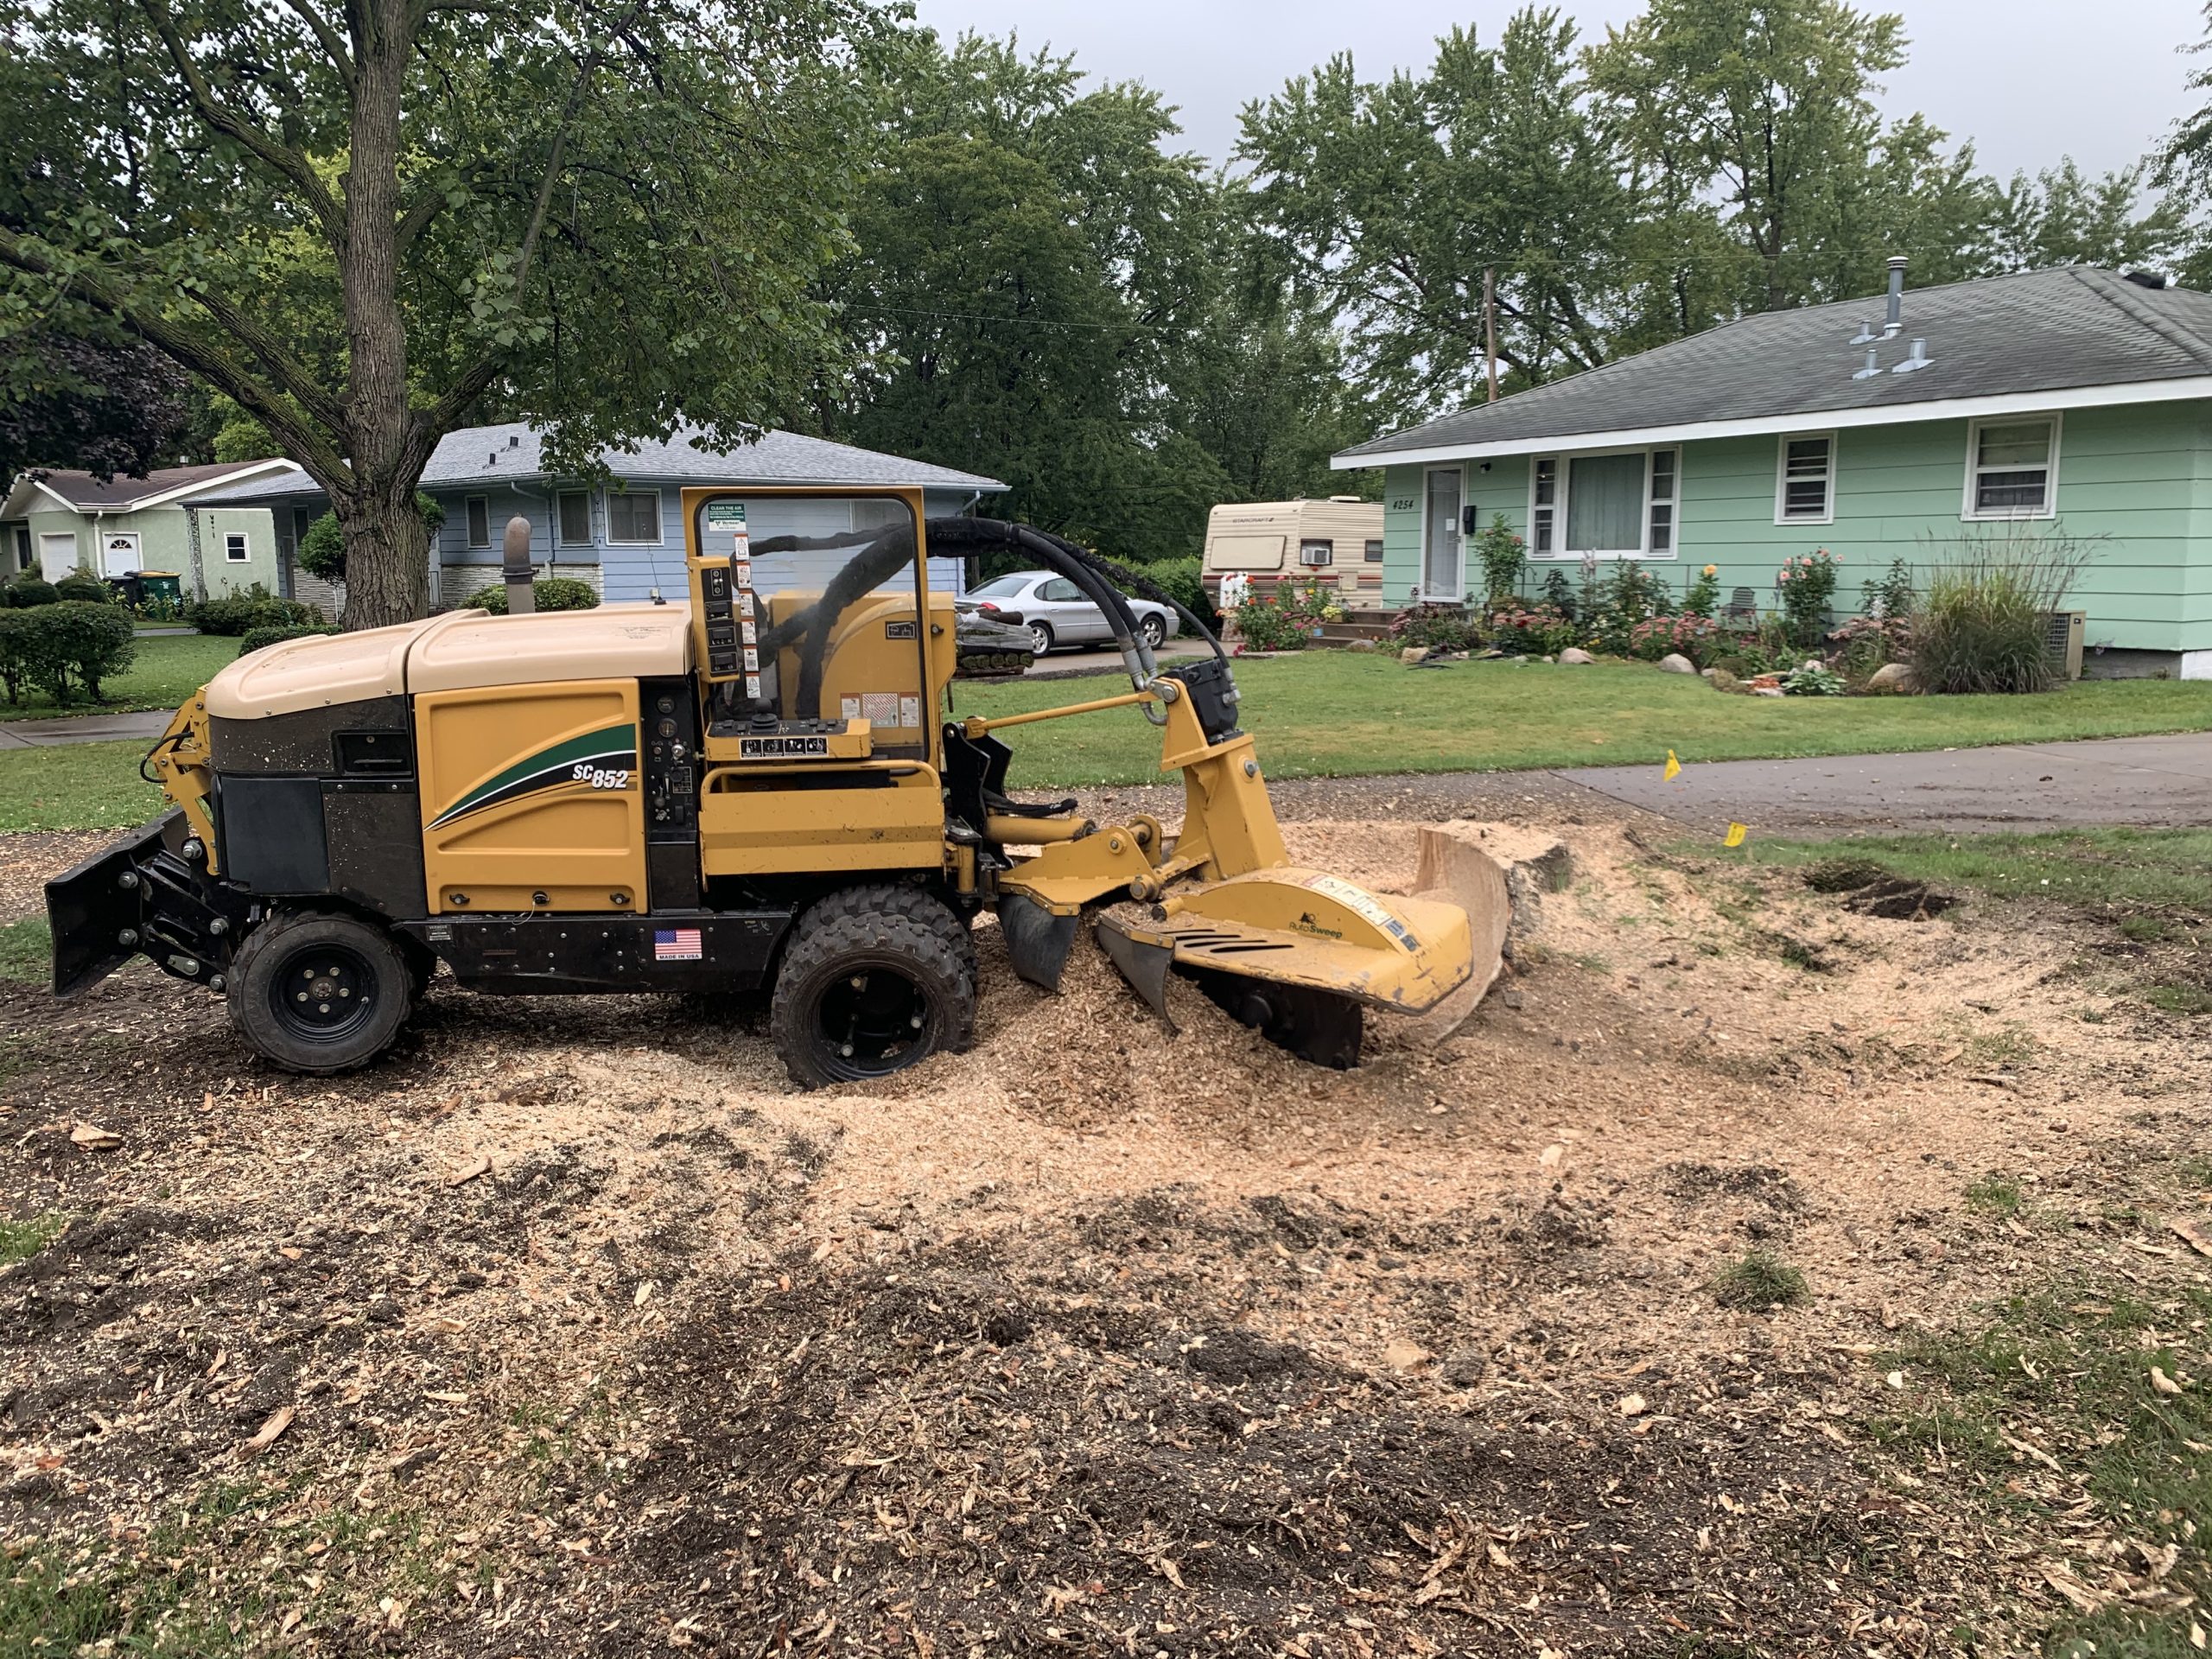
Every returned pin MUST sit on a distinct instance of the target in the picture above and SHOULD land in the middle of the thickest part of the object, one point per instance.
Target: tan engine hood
(456, 652)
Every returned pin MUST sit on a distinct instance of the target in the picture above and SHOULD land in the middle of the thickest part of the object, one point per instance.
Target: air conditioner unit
(1314, 554)
(2062, 632)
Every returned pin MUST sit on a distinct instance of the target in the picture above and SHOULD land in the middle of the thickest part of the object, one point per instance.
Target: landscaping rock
(1359, 644)
(1675, 663)
(1414, 654)
(1890, 679)
(1574, 655)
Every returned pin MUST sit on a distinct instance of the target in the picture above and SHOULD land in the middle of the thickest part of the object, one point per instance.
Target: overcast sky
(2028, 80)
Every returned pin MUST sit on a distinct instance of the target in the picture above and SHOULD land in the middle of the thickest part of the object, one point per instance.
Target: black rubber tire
(1155, 630)
(316, 1036)
(1041, 638)
(845, 941)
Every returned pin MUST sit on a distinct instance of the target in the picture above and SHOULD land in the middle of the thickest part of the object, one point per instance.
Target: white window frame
(1564, 460)
(469, 520)
(242, 541)
(560, 538)
(660, 529)
(1782, 515)
(1968, 513)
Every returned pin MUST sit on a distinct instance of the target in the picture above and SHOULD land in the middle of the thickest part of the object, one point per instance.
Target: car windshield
(1000, 587)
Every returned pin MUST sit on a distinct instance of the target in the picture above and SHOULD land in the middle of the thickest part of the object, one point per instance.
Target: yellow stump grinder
(764, 787)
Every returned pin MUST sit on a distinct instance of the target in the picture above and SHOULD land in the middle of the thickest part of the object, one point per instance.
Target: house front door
(1442, 567)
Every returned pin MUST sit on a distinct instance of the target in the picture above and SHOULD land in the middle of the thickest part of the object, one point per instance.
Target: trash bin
(130, 589)
(160, 588)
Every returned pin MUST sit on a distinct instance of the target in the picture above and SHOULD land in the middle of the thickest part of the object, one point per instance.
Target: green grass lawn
(2152, 877)
(1341, 714)
(169, 669)
(76, 786)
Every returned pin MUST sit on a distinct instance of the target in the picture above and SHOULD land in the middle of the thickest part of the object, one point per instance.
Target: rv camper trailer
(1336, 542)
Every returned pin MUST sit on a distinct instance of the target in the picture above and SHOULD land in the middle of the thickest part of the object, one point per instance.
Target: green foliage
(259, 638)
(1504, 556)
(81, 588)
(1539, 630)
(2139, 875)
(240, 614)
(1993, 1195)
(27, 590)
(322, 550)
(1812, 679)
(1982, 625)
(1688, 635)
(1703, 597)
(1434, 627)
(26, 951)
(1284, 619)
(1805, 583)
(1181, 579)
(549, 594)
(1891, 594)
(66, 649)
(1558, 592)
(1615, 605)
(1760, 1279)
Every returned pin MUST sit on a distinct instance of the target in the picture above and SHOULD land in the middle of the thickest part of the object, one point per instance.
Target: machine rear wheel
(875, 979)
(317, 993)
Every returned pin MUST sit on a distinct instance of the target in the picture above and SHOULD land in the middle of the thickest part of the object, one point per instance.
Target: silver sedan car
(1056, 611)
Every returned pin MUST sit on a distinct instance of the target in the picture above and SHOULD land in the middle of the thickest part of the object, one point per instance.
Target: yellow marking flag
(1673, 768)
(1735, 835)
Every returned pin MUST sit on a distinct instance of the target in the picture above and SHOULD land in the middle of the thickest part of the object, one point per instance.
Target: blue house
(626, 538)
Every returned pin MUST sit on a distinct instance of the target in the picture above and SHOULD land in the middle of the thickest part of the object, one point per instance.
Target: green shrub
(81, 588)
(1284, 619)
(322, 550)
(1814, 679)
(1539, 630)
(1435, 627)
(26, 591)
(1807, 583)
(1504, 556)
(257, 607)
(1703, 598)
(1180, 579)
(1558, 592)
(70, 647)
(1981, 626)
(551, 593)
(257, 638)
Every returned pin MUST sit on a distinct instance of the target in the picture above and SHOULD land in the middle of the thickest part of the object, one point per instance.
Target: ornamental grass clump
(1983, 623)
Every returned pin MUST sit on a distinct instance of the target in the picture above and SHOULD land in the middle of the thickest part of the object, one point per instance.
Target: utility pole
(1490, 324)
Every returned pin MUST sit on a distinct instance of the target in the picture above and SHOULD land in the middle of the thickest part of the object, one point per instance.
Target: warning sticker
(752, 687)
(1366, 906)
(722, 514)
(744, 571)
(880, 708)
(848, 708)
(910, 711)
(745, 604)
(752, 660)
(747, 633)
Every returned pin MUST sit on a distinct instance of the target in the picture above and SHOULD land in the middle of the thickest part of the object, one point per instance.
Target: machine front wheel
(319, 993)
(875, 979)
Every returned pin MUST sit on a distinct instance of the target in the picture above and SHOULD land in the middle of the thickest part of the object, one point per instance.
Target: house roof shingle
(513, 453)
(2046, 331)
(119, 494)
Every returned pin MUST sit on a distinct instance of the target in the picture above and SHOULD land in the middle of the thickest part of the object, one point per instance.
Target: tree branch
(192, 349)
(333, 44)
(227, 121)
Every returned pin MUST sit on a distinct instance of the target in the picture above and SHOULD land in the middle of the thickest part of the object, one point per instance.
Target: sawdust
(657, 1351)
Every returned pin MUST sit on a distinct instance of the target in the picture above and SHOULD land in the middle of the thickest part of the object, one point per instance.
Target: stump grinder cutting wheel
(762, 788)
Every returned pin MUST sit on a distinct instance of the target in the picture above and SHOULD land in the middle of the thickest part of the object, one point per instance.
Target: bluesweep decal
(607, 758)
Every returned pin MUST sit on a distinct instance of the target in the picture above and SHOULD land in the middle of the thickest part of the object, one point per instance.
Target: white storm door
(1443, 564)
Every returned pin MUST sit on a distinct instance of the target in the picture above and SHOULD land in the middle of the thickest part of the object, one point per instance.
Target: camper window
(1375, 551)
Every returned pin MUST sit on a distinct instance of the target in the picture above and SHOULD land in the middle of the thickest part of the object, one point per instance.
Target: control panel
(670, 717)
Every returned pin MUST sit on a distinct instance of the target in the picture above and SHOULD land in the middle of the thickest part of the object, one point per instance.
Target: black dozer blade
(1036, 942)
(1145, 966)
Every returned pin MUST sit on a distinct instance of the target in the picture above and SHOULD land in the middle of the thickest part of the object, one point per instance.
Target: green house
(2071, 404)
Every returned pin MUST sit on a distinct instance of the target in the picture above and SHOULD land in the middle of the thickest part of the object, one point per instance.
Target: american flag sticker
(677, 944)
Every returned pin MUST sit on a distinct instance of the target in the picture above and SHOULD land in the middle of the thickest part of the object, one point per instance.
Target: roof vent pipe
(1865, 334)
(1918, 358)
(1871, 368)
(1895, 318)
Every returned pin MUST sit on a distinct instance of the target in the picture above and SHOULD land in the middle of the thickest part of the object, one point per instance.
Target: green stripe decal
(549, 766)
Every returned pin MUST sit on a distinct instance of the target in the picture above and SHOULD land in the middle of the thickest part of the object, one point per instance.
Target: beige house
(58, 522)
(1337, 542)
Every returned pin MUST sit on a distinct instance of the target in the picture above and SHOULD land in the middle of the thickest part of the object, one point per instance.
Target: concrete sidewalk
(2150, 781)
(84, 729)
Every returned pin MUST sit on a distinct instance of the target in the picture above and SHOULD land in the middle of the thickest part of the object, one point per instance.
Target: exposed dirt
(595, 1336)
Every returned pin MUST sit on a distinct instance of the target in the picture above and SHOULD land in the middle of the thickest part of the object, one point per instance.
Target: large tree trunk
(387, 557)
(387, 574)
